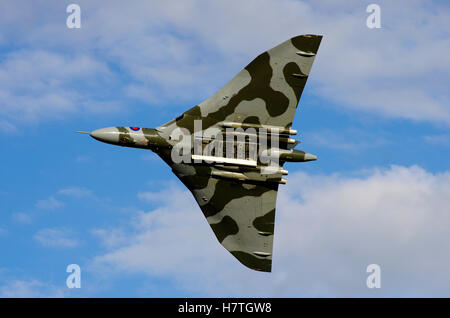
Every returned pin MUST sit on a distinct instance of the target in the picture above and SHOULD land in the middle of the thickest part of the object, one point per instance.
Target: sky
(375, 111)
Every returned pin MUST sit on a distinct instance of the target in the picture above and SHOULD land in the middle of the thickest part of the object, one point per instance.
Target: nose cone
(310, 157)
(109, 135)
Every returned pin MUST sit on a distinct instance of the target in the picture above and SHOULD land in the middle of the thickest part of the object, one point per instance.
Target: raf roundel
(135, 128)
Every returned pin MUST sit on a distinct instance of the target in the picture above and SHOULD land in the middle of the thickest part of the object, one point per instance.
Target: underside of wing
(240, 212)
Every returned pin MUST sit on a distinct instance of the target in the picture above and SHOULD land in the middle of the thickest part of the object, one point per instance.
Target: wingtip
(83, 132)
(308, 36)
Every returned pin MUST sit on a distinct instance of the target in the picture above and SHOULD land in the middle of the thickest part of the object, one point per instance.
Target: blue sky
(375, 111)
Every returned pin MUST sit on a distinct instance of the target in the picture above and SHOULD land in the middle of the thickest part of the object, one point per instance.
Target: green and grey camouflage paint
(238, 199)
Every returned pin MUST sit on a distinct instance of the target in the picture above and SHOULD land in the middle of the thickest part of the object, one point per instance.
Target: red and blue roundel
(135, 128)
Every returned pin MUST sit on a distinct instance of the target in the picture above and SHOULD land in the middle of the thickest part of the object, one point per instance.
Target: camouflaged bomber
(229, 150)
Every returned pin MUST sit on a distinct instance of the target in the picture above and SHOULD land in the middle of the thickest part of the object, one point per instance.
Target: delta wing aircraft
(229, 150)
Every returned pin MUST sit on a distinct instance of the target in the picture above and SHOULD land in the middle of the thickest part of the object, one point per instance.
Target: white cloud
(82, 159)
(157, 237)
(49, 204)
(22, 217)
(7, 127)
(172, 51)
(30, 289)
(56, 237)
(77, 192)
(328, 229)
(161, 196)
(438, 140)
(348, 139)
(111, 238)
(396, 71)
(38, 84)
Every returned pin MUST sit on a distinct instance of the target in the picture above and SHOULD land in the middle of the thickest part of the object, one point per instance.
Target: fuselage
(150, 138)
(134, 137)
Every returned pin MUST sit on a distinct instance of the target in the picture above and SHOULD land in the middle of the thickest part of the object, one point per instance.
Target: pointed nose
(109, 135)
(310, 157)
